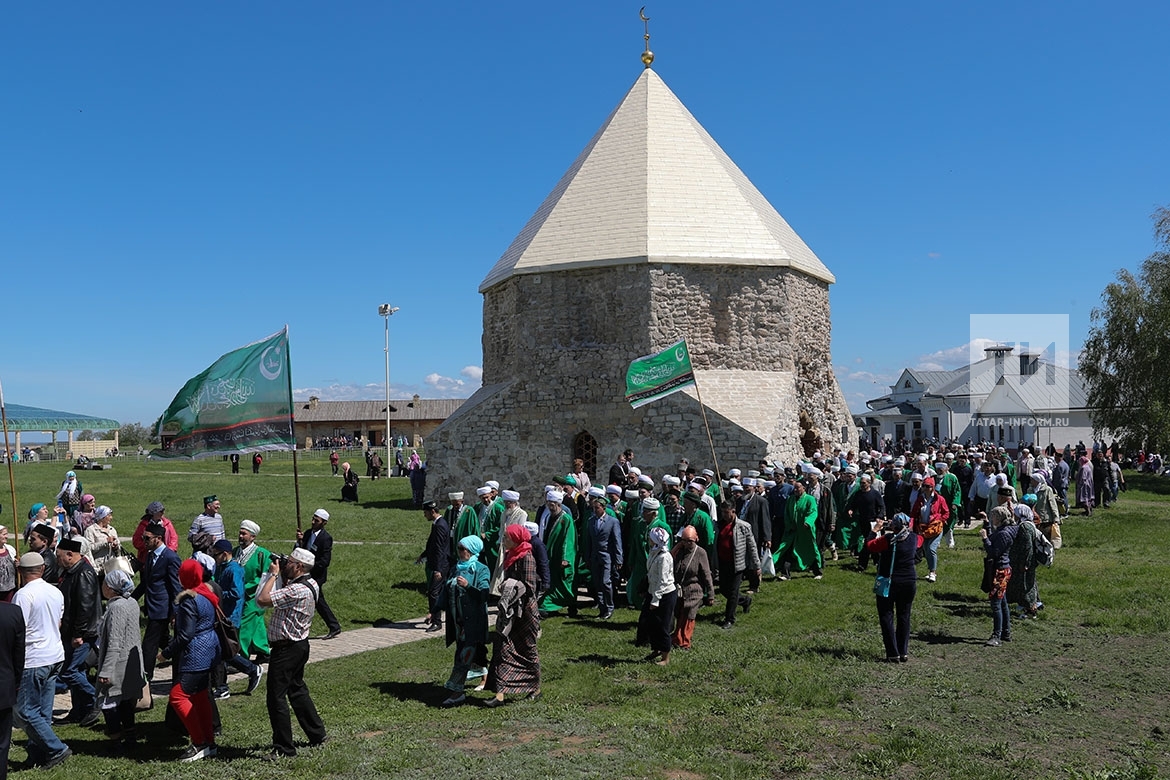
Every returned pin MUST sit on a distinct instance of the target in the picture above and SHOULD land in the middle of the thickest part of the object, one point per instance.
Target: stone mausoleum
(652, 235)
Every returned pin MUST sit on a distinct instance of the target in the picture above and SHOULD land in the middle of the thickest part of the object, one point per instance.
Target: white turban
(651, 503)
(671, 479)
(483, 491)
(457, 496)
(250, 527)
(510, 495)
(555, 496)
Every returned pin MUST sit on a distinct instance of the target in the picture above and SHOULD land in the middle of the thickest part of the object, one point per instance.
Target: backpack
(1043, 553)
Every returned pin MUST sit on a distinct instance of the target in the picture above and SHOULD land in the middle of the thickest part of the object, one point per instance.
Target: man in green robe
(255, 560)
(947, 485)
(799, 544)
(490, 524)
(841, 490)
(560, 538)
(638, 549)
(461, 519)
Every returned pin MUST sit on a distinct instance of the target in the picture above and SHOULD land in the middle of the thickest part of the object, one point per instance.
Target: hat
(815, 472)
(672, 480)
(555, 496)
(31, 560)
(568, 479)
(70, 545)
(928, 482)
(596, 492)
(532, 528)
(250, 527)
(735, 488)
(769, 483)
(1030, 499)
(44, 531)
(456, 496)
(696, 486)
(208, 499)
(431, 505)
(613, 490)
(749, 481)
(651, 503)
(753, 473)
(1036, 477)
(915, 476)
(693, 495)
(635, 471)
(734, 472)
(899, 461)
(630, 495)
(483, 491)
(101, 512)
(852, 469)
(865, 477)
(155, 507)
(646, 479)
(510, 495)
(942, 464)
(492, 484)
(303, 556)
(707, 473)
(69, 474)
(321, 513)
(1005, 491)
(223, 545)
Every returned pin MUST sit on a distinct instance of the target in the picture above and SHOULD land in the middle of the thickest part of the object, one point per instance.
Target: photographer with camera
(294, 601)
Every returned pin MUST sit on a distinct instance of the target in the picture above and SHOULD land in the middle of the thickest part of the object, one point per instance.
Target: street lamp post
(386, 310)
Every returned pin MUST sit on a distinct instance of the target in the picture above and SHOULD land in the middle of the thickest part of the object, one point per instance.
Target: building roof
(400, 410)
(30, 418)
(652, 186)
(1042, 391)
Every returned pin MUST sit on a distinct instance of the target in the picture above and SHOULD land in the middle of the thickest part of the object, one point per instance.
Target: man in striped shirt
(293, 605)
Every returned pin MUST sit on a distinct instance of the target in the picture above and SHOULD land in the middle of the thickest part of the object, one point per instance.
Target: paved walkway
(358, 640)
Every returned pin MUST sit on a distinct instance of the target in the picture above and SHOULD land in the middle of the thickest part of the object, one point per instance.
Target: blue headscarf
(473, 545)
(35, 508)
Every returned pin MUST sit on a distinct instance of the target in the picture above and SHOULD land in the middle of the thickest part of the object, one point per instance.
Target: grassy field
(794, 690)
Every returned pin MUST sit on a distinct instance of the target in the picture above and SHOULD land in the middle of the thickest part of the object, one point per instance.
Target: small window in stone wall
(585, 448)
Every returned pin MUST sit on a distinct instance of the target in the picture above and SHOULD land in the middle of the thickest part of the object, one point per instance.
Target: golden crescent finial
(647, 56)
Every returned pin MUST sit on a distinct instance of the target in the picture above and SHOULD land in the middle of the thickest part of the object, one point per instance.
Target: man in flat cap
(209, 522)
(255, 561)
(319, 542)
(43, 539)
(437, 556)
(80, 622)
(292, 599)
(42, 606)
(160, 585)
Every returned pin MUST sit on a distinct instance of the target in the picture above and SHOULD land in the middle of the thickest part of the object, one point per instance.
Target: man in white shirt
(42, 605)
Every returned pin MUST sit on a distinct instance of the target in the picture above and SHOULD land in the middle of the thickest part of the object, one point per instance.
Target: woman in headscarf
(467, 618)
(657, 619)
(38, 514)
(998, 545)
(1085, 494)
(1021, 588)
(102, 538)
(692, 575)
(896, 551)
(349, 483)
(417, 473)
(119, 666)
(7, 566)
(515, 666)
(195, 650)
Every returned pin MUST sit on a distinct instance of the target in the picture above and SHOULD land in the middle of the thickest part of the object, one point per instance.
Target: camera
(281, 559)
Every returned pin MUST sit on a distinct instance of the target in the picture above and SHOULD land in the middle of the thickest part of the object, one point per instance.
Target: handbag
(228, 635)
(988, 575)
(768, 565)
(881, 585)
(145, 699)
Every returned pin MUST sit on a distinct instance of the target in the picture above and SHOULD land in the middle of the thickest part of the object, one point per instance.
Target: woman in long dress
(349, 483)
(467, 619)
(515, 666)
(1085, 495)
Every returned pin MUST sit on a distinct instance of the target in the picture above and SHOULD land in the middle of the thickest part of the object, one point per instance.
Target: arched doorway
(585, 448)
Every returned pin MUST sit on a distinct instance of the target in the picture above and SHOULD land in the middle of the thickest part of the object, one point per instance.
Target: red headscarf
(191, 578)
(520, 536)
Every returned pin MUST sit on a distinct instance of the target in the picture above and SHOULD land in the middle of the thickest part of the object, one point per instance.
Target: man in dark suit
(620, 471)
(438, 559)
(605, 551)
(11, 670)
(160, 584)
(320, 543)
(757, 514)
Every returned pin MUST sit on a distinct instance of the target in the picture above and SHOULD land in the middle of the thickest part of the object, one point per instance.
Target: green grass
(795, 690)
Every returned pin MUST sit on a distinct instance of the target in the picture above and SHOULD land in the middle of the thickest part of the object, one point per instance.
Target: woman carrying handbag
(896, 548)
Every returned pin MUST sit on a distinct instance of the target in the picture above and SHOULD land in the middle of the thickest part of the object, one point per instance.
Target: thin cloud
(474, 373)
(954, 357)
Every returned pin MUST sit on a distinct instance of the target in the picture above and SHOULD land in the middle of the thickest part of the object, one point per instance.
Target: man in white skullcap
(490, 514)
(461, 519)
(560, 535)
(255, 561)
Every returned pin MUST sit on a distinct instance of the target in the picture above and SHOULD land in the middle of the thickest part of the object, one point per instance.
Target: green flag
(242, 403)
(656, 376)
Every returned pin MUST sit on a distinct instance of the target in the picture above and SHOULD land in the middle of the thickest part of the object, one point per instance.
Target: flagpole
(292, 424)
(11, 479)
(710, 441)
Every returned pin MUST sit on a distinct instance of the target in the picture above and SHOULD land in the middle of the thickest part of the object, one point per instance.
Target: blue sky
(179, 180)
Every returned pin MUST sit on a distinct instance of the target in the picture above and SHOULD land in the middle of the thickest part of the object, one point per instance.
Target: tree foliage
(1127, 350)
(135, 435)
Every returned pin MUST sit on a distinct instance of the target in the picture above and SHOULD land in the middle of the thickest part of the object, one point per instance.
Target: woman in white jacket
(658, 609)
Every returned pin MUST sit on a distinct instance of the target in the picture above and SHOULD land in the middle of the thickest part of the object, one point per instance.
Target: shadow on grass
(837, 653)
(931, 637)
(603, 625)
(966, 610)
(405, 504)
(428, 694)
(417, 587)
(601, 660)
(965, 598)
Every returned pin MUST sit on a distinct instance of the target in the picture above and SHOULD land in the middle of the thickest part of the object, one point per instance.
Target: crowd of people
(78, 614)
(670, 546)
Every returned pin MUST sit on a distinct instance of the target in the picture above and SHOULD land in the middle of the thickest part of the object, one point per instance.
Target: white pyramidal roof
(652, 186)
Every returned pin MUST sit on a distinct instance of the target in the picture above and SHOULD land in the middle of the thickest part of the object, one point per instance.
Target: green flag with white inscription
(241, 403)
(656, 376)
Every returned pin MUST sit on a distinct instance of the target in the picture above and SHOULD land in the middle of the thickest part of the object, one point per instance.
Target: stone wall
(557, 346)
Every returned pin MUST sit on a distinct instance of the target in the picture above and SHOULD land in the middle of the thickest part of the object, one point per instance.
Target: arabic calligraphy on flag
(241, 403)
(655, 376)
